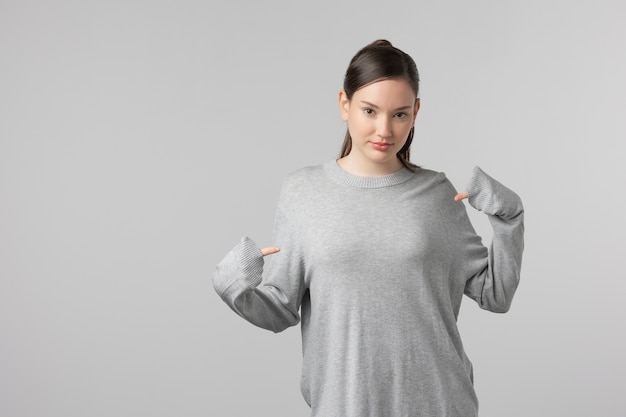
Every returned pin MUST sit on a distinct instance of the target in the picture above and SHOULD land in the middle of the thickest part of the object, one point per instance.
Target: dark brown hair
(378, 61)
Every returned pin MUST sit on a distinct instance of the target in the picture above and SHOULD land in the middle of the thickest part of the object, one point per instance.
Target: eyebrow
(376, 107)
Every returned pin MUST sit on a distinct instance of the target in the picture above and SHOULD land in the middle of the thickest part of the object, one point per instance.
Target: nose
(383, 127)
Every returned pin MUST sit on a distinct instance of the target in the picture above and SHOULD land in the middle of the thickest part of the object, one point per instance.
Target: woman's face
(380, 116)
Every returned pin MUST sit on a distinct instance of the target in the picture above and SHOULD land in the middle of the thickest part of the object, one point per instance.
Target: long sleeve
(269, 299)
(494, 274)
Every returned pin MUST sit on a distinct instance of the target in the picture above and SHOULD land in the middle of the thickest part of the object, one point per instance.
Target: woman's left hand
(461, 196)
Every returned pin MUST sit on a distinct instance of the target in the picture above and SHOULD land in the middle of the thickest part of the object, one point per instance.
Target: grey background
(139, 140)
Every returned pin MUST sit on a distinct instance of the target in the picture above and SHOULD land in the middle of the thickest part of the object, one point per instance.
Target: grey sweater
(375, 269)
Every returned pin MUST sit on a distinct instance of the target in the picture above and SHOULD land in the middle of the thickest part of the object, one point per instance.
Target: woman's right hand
(270, 250)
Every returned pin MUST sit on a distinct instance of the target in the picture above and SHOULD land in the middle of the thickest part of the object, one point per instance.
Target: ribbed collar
(343, 177)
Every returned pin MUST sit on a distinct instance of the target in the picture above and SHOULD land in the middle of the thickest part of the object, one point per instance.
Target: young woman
(374, 255)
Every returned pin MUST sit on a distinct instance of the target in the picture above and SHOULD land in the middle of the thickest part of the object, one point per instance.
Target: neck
(368, 168)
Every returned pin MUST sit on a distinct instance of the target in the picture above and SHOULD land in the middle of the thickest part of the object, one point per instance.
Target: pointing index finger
(461, 196)
(269, 250)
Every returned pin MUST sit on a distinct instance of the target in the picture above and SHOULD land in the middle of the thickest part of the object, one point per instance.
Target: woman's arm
(494, 274)
(270, 300)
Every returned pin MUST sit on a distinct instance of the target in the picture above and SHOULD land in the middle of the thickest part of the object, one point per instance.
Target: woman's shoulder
(431, 175)
(299, 184)
(435, 184)
(303, 176)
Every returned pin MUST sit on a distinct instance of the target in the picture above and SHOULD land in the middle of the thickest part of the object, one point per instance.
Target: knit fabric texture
(375, 269)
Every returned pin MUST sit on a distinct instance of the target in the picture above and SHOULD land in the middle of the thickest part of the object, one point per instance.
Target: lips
(381, 146)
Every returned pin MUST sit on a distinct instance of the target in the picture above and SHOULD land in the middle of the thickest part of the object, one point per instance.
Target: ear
(416, 108)
(344, 105)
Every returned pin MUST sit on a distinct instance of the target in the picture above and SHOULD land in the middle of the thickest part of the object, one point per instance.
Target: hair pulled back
(378, 61)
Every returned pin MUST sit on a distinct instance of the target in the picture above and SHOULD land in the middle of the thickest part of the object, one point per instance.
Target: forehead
(390, 92)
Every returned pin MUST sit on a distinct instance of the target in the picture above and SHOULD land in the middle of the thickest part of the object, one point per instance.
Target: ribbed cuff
(250, 261)
(243, 264)
(491, 197)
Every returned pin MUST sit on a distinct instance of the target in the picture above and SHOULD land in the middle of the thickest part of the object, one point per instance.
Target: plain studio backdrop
(139, 140)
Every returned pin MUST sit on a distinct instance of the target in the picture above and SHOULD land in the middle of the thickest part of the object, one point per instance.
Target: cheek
(404, 128)
(402, 134)
(356, 125)
(363, 122)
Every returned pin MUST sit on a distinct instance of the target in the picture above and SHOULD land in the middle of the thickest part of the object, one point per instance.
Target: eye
(368, 111)
(401, 115)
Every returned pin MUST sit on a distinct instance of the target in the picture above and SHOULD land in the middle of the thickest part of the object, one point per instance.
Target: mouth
(381, 146)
